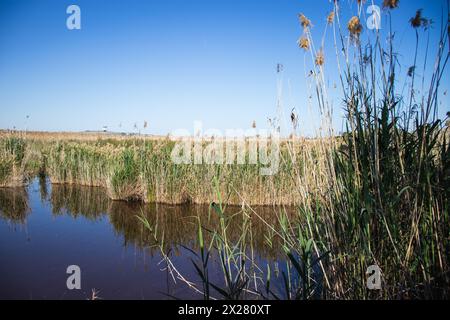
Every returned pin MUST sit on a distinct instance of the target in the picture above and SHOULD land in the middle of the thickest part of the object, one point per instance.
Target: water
(45, 228)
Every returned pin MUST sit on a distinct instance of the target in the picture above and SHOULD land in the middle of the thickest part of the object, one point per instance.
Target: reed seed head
(330, 17)
(390, 4)
(320, 58)
(416, 21)
(419, 21)
(355, 27)
(304, 21)
(303, 43)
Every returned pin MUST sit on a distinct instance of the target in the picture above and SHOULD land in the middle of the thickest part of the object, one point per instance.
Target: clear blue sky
(168, 62)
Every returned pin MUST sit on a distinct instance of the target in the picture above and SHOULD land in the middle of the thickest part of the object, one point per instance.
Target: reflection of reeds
(89, 202)
(176, 222)
(14, 205)
(233, 255)
(43, 188)
(178, 225)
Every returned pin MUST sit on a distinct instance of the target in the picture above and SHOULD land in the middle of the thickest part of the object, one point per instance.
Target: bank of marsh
(143, 169)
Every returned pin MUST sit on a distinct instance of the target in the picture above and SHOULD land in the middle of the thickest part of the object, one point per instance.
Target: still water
(45, 228)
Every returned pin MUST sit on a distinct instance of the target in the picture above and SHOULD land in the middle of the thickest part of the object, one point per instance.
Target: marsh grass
(135, 169)
(389, 196)
(12, 165)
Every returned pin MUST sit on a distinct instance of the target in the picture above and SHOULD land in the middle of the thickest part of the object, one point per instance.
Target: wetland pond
(45, 228)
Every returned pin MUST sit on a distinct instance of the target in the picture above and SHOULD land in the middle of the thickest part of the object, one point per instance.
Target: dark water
(45, 228)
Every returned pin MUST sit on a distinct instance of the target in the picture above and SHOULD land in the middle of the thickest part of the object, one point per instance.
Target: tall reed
(389, 195)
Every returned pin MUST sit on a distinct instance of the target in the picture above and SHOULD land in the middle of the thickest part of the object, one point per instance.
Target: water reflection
(14, 206)
(178, 223)
(43, 188)
(75, 201)
(70, 224)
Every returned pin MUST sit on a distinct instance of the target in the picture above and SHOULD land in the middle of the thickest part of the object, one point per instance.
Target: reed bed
(18, 160)
(11, 168)
(142, 169)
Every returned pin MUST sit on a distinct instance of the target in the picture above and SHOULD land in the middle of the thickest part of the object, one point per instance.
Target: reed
(387, 204)
(135, 169)
(12, 164)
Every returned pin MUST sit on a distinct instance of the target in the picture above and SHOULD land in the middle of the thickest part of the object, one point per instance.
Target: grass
(19, 159)
(142, 169)
(12, 153)
(389, 196)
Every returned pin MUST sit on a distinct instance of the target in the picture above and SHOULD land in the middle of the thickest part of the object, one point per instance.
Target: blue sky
(167, 62)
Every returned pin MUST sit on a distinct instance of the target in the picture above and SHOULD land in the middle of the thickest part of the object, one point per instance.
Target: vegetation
(386, 197)
(142, 169)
